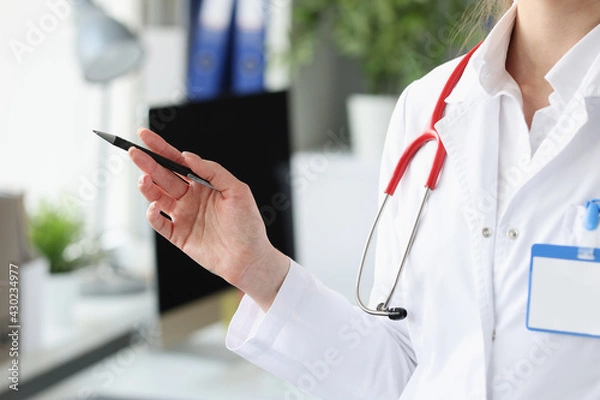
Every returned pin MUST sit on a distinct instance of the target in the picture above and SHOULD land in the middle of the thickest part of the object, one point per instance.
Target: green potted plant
(56, 231)
(52, 229)
(393, 41)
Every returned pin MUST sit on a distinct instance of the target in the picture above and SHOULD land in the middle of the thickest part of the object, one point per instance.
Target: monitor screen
(249, 136)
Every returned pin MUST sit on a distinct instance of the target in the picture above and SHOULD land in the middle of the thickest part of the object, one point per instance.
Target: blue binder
(208, 48)
(248, 59)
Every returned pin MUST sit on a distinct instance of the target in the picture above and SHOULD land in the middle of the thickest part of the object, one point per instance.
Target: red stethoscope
(429, 134)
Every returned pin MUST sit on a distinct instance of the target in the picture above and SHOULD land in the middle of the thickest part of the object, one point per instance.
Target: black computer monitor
(249, 136)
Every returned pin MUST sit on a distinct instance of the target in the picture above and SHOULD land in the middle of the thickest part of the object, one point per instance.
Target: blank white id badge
(564, 290)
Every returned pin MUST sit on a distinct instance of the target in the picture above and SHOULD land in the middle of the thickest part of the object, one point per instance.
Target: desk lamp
(106, 50)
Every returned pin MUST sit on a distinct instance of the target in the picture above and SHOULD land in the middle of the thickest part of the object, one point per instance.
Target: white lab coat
(455, 343)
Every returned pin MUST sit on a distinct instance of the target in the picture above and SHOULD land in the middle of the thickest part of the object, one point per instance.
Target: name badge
(564, 290)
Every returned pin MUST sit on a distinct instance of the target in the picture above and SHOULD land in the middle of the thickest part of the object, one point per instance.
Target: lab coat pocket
(574, 228)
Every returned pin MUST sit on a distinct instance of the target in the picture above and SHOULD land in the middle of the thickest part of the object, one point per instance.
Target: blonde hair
(479, 19)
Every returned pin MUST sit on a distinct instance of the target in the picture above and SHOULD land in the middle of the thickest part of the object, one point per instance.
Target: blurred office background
(109, 341)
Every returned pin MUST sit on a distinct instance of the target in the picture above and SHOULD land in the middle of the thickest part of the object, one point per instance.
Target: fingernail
(190, 154)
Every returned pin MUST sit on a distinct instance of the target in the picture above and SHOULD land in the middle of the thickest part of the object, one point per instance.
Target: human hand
(220, 229)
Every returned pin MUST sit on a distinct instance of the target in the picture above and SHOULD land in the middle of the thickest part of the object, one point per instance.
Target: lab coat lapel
(568, 126)
(471, 141)
(571, 123)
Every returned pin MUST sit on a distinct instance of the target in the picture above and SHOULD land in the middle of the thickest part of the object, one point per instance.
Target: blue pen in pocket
(592, 217)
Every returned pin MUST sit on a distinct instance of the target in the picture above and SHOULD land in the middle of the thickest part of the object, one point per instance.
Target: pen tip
(106, 136)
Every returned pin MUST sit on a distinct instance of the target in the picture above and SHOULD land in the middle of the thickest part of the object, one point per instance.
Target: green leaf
(395, 41)
(52, 228)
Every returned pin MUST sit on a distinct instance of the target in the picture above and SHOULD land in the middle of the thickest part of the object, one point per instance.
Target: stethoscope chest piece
(395, 313)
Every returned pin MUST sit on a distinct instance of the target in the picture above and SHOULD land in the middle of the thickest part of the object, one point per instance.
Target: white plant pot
(62, 290)
(32, 284)
(369, 117)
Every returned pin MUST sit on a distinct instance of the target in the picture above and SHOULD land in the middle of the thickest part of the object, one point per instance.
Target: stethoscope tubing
(429, 134)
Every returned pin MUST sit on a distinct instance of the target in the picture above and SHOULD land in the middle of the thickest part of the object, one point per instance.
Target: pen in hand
(165, 162)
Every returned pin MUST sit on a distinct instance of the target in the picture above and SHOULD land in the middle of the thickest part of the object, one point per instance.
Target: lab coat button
(493, 335)
(486, 232)
(513, 234)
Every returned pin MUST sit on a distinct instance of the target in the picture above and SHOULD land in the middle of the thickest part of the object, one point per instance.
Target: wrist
(263, 279)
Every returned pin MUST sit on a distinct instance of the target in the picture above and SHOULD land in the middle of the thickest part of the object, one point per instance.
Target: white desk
(200, 369)
(98, 320)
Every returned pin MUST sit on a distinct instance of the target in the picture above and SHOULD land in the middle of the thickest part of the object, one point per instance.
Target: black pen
(165, 162)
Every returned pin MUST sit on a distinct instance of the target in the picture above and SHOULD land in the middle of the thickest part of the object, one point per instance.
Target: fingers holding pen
(158, 145)
(159, 223)
(161, 211)
(205, 169)
(213, 172)
(155, 194)
(170, 183)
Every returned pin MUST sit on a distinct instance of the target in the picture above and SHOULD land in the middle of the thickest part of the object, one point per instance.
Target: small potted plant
(394, 42)
(56, 232)
(52, 229)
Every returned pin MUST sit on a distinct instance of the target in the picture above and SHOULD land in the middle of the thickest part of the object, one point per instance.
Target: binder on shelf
(248, 59)
(208, 48)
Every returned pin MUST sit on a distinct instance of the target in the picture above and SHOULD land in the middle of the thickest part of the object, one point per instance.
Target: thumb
(213, 172)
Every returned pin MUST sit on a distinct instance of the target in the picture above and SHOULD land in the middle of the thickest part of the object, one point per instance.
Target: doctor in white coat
(522, 133)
